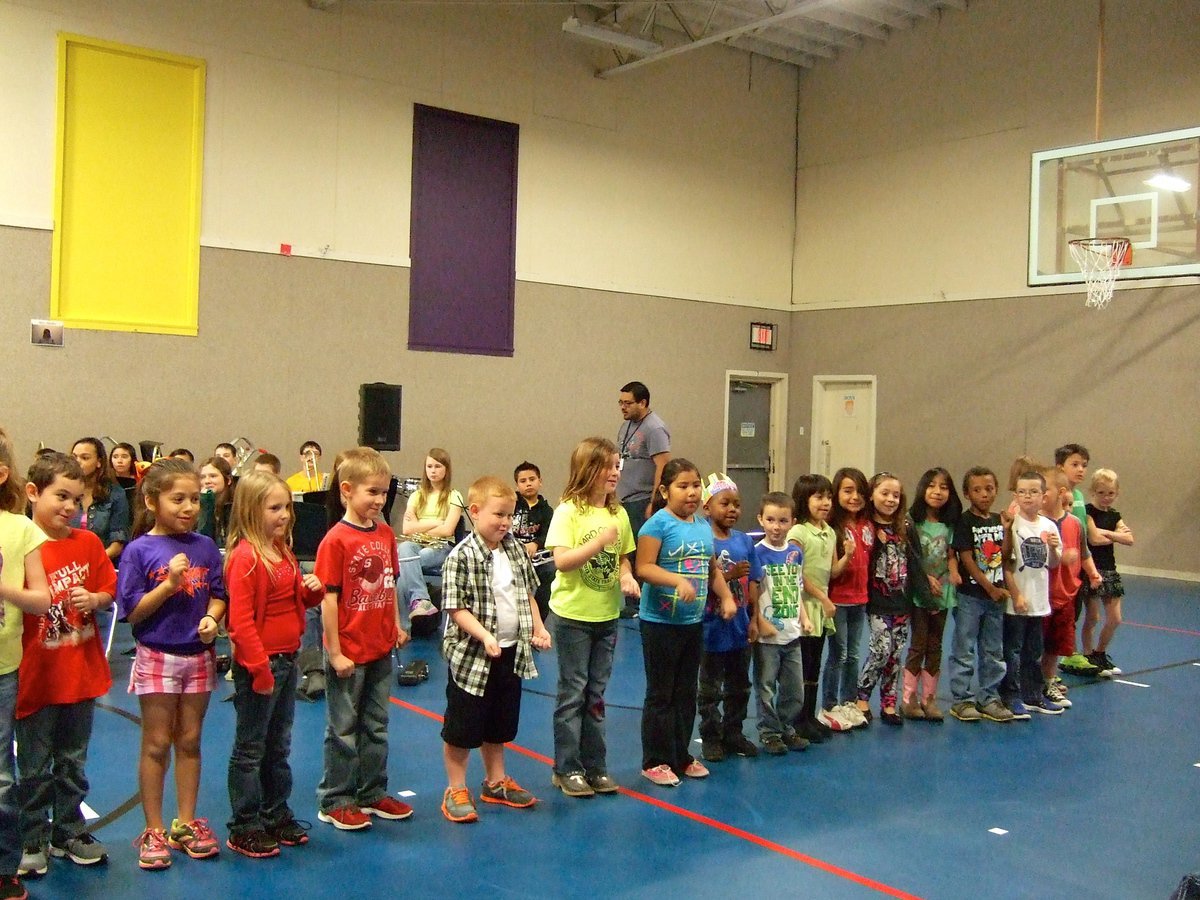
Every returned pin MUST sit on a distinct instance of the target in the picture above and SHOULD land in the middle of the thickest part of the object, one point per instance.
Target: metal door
(748, 447)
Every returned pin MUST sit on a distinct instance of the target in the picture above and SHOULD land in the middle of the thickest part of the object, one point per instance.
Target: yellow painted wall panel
(127, 218)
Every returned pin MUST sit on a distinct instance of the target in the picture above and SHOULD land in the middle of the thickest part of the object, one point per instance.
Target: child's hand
(263, 682)
(806, 626)
(81, 600)
(176, 569)
(685, 591)
(541, 639)
(1020, 606)
(848, 544)
(401, 637)
(737, 570)
(312, 582)
(999, 594)
(765, 628)
(1070, 556)
(342, 665)
(1095, 580)
(828, 608)
(531, 549)
(207, 629)
(935, 585)
(728, 609)
(752, 631)
(955, 578)
(1052, 539)
(491, 647)
(608, 535)
(629, 585)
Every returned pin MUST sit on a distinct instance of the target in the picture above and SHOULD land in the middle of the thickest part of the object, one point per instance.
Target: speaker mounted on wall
(379, 416)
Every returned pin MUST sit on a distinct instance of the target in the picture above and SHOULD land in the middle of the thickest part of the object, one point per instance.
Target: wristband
(209, 616)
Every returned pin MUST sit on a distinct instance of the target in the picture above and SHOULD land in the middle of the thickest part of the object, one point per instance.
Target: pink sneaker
(194, 838)
(696, 769)
(661, 775)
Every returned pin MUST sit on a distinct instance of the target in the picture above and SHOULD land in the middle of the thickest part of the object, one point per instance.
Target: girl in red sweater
(268, 596)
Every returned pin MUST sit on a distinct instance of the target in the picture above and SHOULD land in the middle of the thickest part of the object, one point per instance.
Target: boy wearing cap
(724, 692)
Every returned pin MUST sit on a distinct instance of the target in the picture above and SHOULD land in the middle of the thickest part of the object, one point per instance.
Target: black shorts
(491, 719)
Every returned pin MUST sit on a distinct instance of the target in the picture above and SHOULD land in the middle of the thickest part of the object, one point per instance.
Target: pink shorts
(156, 672)
(1058, 630)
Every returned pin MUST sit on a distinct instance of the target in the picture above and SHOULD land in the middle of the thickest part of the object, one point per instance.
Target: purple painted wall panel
(463, 233)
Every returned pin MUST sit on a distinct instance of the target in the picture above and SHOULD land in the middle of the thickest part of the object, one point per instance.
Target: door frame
(820, 383)
(777, 440)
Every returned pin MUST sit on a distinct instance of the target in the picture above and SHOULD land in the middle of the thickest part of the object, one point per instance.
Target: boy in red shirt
(63, 671)
(1065, 582)
(357, 564)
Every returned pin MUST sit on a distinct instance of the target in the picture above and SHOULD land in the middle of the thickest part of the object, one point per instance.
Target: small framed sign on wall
(762, 335)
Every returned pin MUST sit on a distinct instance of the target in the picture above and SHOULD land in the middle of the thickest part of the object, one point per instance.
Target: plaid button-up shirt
(467, 584)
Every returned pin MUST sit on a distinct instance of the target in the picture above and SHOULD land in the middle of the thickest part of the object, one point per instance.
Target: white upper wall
(914, 155)
(675, 181)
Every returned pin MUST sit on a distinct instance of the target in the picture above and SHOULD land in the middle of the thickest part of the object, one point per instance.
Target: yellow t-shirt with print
(591, 593)
(18, 538)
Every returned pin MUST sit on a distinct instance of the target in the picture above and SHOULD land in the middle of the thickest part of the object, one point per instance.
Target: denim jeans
(356, 735)
(1022, 659)
(724, 693)
(260, 776)
(585, 662)
(978, 630)
(417, 561)
(10, 837)
(52, 746)
(671, 655)
(840, 679)
(779, 686)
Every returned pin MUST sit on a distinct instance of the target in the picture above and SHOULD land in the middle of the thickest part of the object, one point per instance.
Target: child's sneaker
(1055, 694)
(345, 818)
(1019, 712)
(965, 711)
(387, 807)
(832, 719)
(740, 745)
(574, 784)
(290, 832)
(457, 805)
(1045, 706)
(796, 742)
(773, 744)
(852, 714)
(696, 769)
(194, 838)
(506, 793)
(1104, 663)
(712, 750)
(153, 851)
(254, 844)
(602, 783)
(35, 862)
(83, 850)
(995, 711)
(662, 775)
(1078, 664)
(12, 889)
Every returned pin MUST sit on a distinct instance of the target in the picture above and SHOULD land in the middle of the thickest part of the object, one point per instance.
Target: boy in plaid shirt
(488, 586)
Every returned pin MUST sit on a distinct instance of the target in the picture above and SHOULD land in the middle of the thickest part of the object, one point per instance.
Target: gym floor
(1097, 803)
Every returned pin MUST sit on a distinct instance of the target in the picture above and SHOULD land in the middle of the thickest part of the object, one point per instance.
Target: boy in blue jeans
(979, 618)
(488, 587)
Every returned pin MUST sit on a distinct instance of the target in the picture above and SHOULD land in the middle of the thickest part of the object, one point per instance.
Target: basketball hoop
(1100, 259)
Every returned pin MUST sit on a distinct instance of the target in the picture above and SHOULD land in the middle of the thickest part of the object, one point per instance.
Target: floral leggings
(889, 634)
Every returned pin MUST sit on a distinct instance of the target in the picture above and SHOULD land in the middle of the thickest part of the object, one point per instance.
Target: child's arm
(1053, 545)
(719, 586)
(153, 599)
(100, 587)
(952, 564)
(34, 598)
(806, 625)
(1097, 537)
(467, 623)
(1121, 534)
(648, 569)
(343, 666)
(1018, 601)
(247, 595)
(210, 622)
(568, 559)
(541, 637)
(629, 585)
(752, 609)
(821, 593)
(840, 563)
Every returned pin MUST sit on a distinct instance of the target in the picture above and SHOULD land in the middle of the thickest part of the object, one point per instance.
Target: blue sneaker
(1020, 712)
(1045, 706)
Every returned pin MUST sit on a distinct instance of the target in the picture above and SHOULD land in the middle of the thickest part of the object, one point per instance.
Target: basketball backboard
(1142, 188)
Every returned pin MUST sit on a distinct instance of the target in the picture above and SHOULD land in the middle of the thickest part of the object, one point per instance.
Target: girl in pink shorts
(171, 591)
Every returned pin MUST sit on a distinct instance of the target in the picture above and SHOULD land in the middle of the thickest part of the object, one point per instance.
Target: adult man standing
(645, 446)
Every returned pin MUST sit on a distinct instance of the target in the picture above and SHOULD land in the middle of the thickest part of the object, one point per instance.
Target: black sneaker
(255, 844)
(809, 730)
(290, 833)
(796, 742)
(712, 750)
(740, 745)
(1100, 660)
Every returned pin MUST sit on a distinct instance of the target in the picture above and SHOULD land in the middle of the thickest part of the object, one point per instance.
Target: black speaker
(379, 416)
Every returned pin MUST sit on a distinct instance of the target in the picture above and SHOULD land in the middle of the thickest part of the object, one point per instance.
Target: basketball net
(1100, 259)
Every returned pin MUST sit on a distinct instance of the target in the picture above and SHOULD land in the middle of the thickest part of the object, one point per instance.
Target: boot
(929, 682)
(910, 707)
(806, 723)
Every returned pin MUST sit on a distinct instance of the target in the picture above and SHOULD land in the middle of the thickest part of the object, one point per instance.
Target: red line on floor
(1162, 628)
(731, 830)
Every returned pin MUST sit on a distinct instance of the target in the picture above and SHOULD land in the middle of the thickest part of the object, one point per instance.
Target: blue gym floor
(1099, 802)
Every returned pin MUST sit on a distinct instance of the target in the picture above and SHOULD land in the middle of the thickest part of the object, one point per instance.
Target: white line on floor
(88, 812)
(1134, 683)
(407, 793)
(997, 831)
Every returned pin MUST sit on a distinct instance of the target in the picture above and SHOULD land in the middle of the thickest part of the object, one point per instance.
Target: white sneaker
(833, 719)
(852, 714)
(422, 607)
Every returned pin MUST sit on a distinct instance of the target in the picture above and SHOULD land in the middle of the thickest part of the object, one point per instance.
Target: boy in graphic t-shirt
(357, 563)
(63, 671)
(530, 523)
